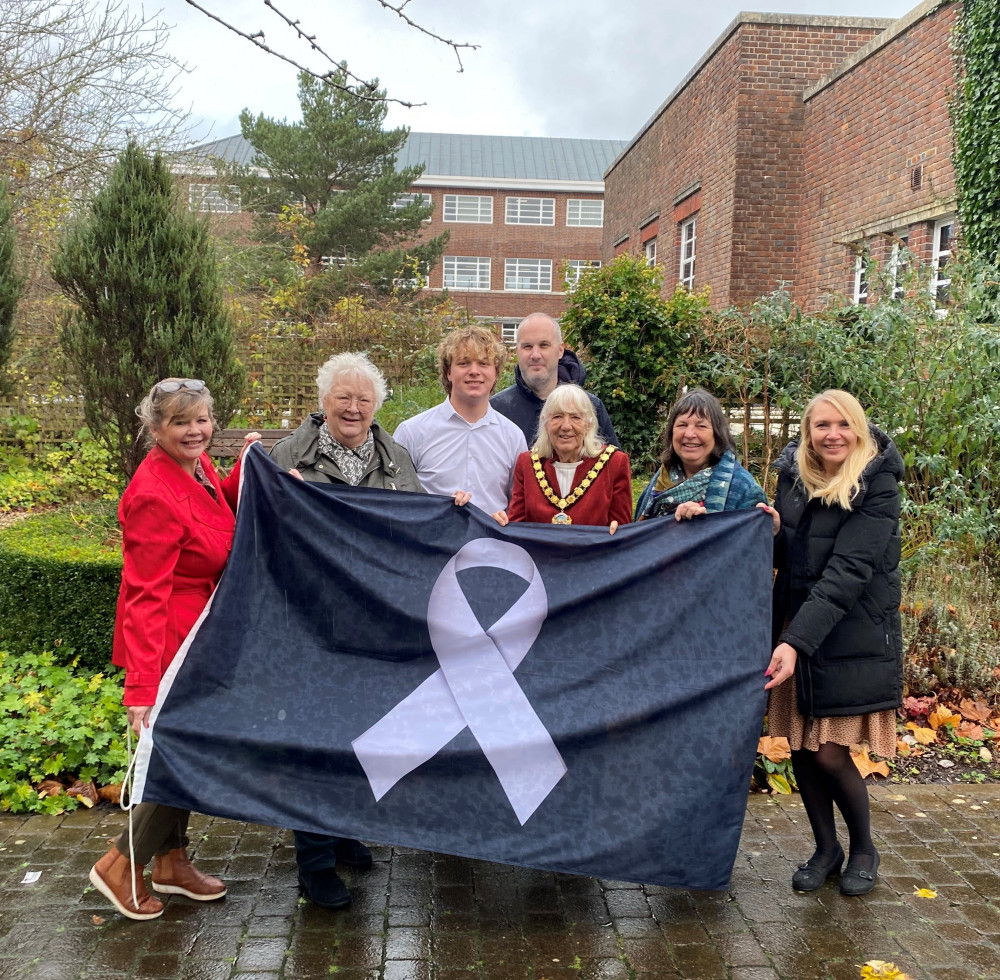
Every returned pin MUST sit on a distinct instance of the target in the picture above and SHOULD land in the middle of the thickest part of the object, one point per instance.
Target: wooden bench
(227, 443)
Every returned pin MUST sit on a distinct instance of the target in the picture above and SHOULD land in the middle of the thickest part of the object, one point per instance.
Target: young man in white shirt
(463, 443)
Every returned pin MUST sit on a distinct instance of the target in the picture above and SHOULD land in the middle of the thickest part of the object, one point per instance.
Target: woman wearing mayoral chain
(570, 476)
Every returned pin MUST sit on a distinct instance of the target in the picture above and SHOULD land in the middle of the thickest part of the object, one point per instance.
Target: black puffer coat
(838, 589)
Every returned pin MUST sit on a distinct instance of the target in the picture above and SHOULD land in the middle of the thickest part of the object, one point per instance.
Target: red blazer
(175, 541)
(607, 499)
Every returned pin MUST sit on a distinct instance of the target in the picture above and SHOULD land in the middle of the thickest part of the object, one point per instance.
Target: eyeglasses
(169, 387)
(364, 403)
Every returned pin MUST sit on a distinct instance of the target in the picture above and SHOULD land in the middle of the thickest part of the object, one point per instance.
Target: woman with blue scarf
(699, 472)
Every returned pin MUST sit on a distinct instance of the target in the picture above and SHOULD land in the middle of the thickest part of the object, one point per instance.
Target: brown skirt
(878, 729)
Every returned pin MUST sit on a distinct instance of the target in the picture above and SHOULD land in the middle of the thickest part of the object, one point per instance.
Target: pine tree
(149, 304)
(11, 283)
(339, 165)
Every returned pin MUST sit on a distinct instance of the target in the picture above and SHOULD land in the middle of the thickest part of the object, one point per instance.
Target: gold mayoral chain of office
(578, 491)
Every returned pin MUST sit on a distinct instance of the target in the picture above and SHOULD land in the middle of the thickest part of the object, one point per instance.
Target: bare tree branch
(454, 45)
(364, 88)
(78, 78)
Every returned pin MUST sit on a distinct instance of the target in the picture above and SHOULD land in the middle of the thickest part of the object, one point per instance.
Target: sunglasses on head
(190, 384)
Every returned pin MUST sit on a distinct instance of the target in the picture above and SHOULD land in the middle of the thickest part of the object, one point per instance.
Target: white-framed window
(466, 272)
(576, 267)
(531, 211)
(534, 275)
(468, 208)
(899, 264)
(689, 238)
(424, 200)
(649, 250)
(944, 234)
(861, 278)
(208, 197)
(508, 331)
(585, 213)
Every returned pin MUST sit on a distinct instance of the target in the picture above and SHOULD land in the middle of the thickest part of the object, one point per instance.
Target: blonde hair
(475, 341)
(160, 408)
(843, 486)
(570, 398)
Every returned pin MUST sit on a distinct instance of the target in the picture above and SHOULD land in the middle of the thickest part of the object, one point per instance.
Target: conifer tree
(149, 303)
(11, 283)
(339, 165)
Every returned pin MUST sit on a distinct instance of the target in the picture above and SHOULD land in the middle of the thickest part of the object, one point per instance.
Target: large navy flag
(391, 667)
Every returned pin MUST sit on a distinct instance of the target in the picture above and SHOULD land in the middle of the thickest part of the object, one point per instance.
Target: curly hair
(353, 366)
(475, 339)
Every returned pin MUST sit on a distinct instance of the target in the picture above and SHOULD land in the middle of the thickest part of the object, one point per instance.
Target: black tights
(830, 776)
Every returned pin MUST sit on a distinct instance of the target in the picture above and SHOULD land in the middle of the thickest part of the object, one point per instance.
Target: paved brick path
(419, 916)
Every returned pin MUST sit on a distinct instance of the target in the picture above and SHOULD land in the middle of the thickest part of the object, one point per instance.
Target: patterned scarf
(673, 489)
(352, 461)
(202, 477)
(710, 486)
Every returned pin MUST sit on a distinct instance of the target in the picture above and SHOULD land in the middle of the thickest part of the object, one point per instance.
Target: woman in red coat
(177, 522)
(570, 476)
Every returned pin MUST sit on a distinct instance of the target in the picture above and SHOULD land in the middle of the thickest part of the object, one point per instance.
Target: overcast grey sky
(585, 68)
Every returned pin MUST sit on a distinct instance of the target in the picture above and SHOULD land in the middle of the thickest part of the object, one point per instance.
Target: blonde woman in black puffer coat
(836, 671)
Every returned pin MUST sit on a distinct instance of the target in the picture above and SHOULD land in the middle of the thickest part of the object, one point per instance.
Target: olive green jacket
(389, 468)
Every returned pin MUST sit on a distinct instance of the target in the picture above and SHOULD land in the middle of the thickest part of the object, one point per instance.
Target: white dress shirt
(452, 454)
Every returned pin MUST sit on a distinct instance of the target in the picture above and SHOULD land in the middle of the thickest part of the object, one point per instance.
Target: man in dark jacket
(542, 363)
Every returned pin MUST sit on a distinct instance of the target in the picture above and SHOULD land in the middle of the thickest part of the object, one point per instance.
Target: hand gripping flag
(388, 666)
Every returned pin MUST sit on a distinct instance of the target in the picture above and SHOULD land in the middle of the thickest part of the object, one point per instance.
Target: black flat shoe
(353, 854)
(325, 888)
(813, 873)
(858, 881)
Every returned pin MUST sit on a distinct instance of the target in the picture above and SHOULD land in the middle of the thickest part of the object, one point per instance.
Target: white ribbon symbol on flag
(474, 687)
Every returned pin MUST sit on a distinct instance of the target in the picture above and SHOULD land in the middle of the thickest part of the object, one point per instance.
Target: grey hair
(541, 316)
(355, 366)
(568, 397)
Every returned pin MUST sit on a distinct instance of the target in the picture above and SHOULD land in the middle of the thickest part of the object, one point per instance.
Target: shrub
(73, 471)
(635, 345)
(56, 722)
(931, 381)
(951, 626)
(59, 578)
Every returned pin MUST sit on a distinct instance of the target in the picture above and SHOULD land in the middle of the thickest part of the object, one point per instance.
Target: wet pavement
(421, 916)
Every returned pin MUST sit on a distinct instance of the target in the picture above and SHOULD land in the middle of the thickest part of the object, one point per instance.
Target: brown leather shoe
(112, 877)
(174, 874)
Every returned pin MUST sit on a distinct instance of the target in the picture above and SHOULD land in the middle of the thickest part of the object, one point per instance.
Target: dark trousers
(156, 829)
(315, 852)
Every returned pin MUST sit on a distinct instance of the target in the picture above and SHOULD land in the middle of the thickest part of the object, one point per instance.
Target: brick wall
(691, 143)
(866, 131)
(500, 241)
(735, 129)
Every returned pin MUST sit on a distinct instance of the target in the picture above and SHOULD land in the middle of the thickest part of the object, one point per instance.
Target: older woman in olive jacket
(343, 444)
(836, 623)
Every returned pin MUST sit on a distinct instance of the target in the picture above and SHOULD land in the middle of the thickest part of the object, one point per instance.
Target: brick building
(518, 210)
(795, 148)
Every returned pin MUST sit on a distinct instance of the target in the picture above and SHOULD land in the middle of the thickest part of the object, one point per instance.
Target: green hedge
(59, 578)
